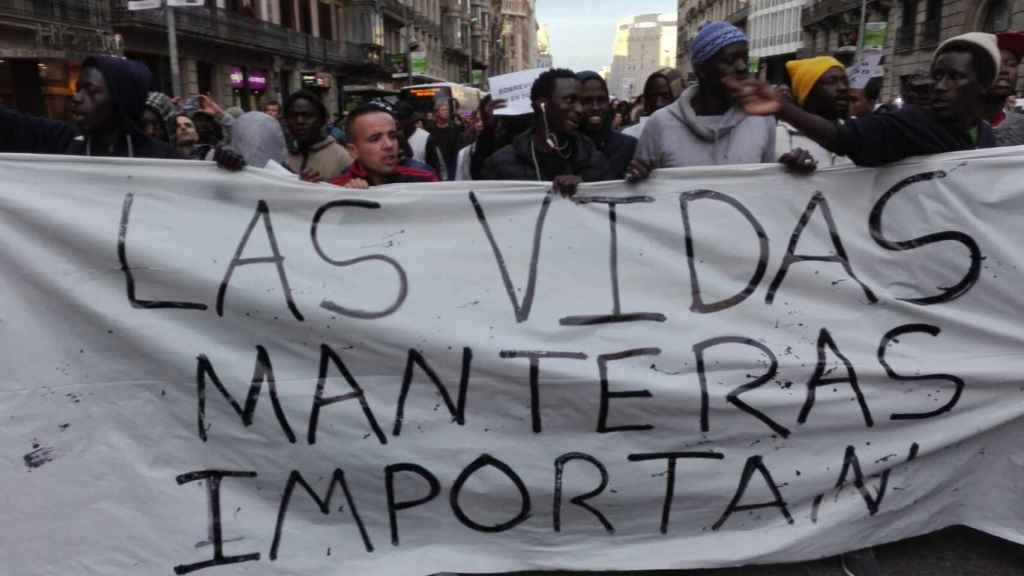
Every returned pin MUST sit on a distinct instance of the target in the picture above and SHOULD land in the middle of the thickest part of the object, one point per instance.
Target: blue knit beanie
(712, 37)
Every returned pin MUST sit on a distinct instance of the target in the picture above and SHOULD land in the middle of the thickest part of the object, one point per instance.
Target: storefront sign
(257, 80)
(237, 76)
(316, 80)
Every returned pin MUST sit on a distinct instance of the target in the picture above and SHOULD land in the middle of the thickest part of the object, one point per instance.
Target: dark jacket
(442, 149)
(128, 83)
(618, 149)
(516, 161)
(879, 139)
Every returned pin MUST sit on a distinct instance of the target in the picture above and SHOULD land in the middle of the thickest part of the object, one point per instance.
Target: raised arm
(760, 99)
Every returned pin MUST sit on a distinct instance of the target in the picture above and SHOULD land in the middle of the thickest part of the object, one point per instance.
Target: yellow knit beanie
(804, 74)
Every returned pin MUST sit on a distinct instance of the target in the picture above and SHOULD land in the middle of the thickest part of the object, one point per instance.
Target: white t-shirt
(418, 143)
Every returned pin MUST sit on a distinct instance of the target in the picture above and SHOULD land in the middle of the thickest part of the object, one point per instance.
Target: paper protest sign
(514, 88)
(864, 70)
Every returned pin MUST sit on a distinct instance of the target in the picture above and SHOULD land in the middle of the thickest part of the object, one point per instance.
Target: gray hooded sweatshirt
(676, 136)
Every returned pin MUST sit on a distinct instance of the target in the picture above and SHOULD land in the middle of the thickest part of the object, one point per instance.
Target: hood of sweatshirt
(703, 126)
(128, 82)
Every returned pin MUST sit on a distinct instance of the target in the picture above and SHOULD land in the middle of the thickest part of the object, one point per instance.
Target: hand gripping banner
(213, 373)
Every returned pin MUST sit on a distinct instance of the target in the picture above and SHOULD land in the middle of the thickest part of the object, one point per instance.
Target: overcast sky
(582, 32)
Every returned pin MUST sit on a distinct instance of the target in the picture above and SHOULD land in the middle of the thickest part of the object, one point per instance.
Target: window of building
(908, 25)
(933, 22)
(997, 16)
(326, 23)
(287, 14)
(305, 17)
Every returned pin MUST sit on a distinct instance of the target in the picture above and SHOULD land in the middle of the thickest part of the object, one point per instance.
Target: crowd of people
(575, 132)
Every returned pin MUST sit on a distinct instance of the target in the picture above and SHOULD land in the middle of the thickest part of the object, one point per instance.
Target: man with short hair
(963, 70)
(445, 140)
(864, 101)
(553, 150)
(705, 126)
(819, 86)
(374, 144)
(312, 154)
(1008, 126)
(662, 88)
(272, 108)
(597, 125)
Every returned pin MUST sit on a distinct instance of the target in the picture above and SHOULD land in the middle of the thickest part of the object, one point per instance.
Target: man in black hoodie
(597, 125)
(963, 70)
(553, 150)
(107, 106)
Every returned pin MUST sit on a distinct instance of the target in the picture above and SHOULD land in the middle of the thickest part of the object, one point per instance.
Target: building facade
(515, 36)
(776, 36)
(642, 45)
(692, 14)
(544, 58)
(41, 44)
(242, 52)
(914, 28)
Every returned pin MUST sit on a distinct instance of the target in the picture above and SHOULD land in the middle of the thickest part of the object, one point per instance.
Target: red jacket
(402, 174)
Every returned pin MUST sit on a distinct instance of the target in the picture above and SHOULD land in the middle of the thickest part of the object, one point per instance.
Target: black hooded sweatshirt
(879, 139)
(128, 82)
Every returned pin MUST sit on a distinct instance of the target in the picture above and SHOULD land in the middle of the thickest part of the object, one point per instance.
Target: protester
(1008, 126)
(159, 118)
(963, 68)
(662, 88)
(617, 148)
(374, 146)
(108, 104)
(418, 138)
(444, 142)
(819, 86)
(916, 90)
(414, 139)
(187, 139)
(258, 138)
(272, 108)
(553, 150)
(314, 155)
(210, 131)
(705, 126)
(864, 101)
(496, 132)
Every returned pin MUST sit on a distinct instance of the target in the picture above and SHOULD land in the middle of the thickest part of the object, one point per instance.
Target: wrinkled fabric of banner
(217, 373)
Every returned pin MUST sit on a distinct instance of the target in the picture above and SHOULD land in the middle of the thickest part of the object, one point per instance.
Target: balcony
(92, 13)
(222, 27)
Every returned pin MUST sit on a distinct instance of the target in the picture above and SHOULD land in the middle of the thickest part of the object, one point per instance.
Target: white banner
(214, 373)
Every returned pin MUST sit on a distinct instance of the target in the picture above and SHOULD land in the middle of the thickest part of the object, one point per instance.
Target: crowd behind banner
(575, 132)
